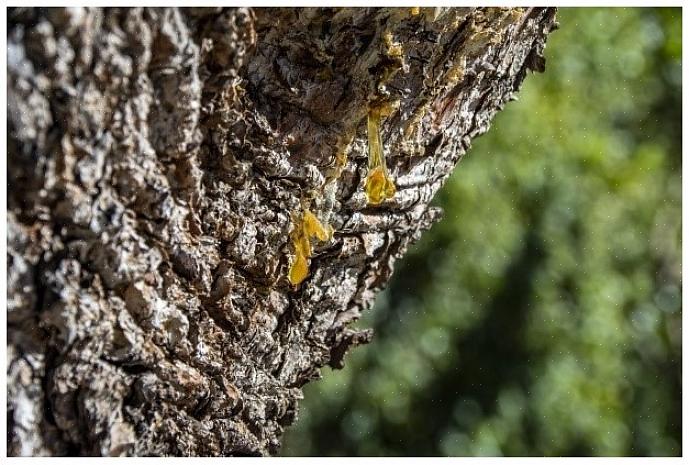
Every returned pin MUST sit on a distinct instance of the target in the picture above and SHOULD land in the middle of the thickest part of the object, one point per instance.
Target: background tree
(161, 164)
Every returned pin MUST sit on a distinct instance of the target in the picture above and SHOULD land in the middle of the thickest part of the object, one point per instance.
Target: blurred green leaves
(542, 316)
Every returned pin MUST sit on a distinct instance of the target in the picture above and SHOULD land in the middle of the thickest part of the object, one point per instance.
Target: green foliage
(542, 316)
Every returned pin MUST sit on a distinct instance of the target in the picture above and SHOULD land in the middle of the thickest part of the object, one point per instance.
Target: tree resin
(307, 227)
(379, 186)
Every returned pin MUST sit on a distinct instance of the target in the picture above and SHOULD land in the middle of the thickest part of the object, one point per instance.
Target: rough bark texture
(156, 160)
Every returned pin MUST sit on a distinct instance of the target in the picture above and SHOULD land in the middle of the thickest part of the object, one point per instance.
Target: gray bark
(156, 161)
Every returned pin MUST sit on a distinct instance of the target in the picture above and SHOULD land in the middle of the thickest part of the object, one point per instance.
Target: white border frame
(336, 460)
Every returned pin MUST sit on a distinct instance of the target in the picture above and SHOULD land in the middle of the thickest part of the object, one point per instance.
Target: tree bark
(159, 163)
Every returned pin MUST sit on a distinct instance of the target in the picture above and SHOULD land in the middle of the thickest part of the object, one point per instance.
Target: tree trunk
(163, 164)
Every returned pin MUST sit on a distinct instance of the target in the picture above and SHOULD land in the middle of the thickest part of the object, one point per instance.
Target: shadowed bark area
(159, 160)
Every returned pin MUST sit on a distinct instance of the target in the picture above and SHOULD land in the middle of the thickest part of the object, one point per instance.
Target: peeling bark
(157, 161)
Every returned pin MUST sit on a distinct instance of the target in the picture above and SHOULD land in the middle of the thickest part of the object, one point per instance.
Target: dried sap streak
(379, 186)
(307, 227)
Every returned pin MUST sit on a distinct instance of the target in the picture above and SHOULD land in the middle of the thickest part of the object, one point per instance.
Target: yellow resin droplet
(303, 244)
(314, 228)
(299, 270)
(379, 186)
(307, 227)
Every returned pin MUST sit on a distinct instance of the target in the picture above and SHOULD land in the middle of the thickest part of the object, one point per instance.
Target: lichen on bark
(156, 159)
